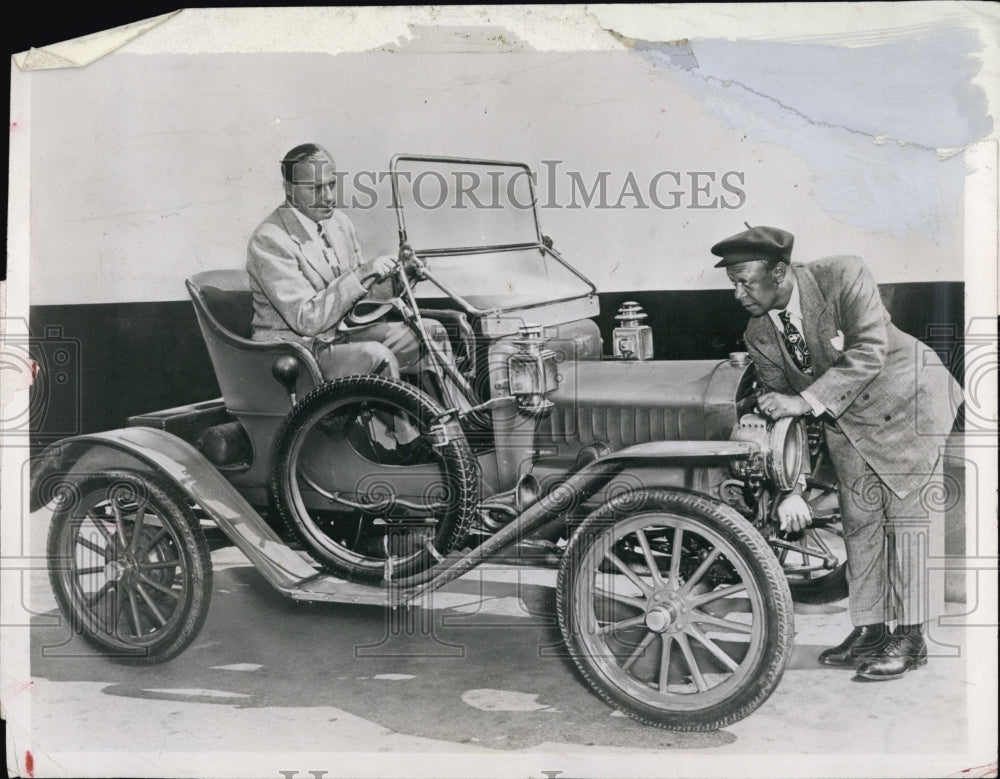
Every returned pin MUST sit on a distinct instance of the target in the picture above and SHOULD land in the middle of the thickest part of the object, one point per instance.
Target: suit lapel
(309, 245)
(767, 338)
(817, 320)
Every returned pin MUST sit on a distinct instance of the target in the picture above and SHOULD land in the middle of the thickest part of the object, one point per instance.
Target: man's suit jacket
(297, 293)
(889, 393)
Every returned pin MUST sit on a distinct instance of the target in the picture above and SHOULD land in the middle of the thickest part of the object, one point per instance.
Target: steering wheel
(367, 311)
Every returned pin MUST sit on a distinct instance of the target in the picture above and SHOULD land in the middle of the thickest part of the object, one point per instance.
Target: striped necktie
(328, 251)
(796, 343)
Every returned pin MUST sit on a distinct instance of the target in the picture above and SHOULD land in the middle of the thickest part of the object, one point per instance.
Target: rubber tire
(173, 509)
(461, 474)
(757, 556)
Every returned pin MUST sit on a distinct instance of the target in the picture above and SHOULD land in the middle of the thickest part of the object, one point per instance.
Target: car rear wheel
(367, 506)
(129, 565)
(675, 610)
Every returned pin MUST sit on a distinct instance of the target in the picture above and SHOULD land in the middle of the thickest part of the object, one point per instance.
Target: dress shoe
(417, 452)
(902, 652)
(864, 641)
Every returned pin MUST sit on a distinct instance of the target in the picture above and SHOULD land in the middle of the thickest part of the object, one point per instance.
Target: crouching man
(823, 344)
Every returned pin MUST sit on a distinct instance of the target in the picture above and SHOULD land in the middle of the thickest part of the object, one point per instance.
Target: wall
(145, 169)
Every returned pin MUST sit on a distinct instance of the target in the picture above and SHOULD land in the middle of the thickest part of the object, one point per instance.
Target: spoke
(134, 610)
(726, 624)
(708, 597)
(668, 642)
(820, 543)
(162, 564)
(140, 517)
(119, 522)
(699, 680)
(654, 571)
(101, 550)
(705, 565)
(714, 648)
(157, 586)
(99, 524)
(90, 570)
(631, 622)
(113, 615)
(152, 606)
(94, 597)
(639, 650)
(644, 588)
(675, 558)
(639, 603)
(152, 542)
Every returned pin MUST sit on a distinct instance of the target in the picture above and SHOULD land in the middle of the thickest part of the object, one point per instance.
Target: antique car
(651, 484)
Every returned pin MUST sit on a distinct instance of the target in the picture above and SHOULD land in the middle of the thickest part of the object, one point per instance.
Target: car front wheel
(675, 610)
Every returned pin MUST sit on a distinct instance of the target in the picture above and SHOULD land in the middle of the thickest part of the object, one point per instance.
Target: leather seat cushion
(233, 309)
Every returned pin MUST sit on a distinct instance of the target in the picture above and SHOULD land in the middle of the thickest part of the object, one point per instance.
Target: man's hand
(794, 513)
(777, 405)
(377, 269)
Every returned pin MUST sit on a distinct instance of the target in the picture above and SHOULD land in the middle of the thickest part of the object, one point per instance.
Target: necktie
(796, 343)
(328, 250)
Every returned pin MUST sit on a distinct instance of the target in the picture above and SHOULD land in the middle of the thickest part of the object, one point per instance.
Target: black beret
(757, 243)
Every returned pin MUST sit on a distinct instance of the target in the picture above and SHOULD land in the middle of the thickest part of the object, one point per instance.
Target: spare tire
(337, 470)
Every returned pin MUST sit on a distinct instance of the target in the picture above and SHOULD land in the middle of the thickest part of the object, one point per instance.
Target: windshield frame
(541, 243)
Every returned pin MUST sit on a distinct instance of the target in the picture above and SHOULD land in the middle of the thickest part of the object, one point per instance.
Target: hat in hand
(757, 243)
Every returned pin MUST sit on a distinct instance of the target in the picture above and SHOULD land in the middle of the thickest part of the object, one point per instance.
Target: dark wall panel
(138, 357)
(132, 358)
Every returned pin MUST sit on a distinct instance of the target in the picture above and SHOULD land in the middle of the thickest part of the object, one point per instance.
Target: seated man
(307, 272)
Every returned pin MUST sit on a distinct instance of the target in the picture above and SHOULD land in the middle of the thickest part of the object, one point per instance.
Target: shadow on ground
(496, 677)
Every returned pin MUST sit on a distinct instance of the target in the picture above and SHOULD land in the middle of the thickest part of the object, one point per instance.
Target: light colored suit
(303, 288)
(894, 403)
(300, 291)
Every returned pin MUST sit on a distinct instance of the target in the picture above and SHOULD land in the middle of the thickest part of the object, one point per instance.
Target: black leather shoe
(863, 642)
(903, 652)
(416, 452)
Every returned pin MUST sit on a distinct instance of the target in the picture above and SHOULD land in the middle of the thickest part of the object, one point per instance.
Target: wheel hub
(667, 612)
(659, 619)
(121, 568)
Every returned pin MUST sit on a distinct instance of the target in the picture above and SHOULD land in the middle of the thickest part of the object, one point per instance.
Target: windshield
(474, 224)
(458, 204)
(503, 279)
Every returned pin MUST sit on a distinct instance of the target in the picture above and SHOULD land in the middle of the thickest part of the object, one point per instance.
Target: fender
(582, 483)
(148, 449)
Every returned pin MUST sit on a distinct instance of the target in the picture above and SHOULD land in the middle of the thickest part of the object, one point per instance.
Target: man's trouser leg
(337, 360)
(888, 540)
(402, 342)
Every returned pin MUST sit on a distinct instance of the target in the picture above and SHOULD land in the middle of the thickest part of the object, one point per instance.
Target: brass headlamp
(784, 450)
(532, 371)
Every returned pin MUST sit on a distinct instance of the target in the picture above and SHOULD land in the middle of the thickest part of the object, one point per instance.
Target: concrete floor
(273, 686)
